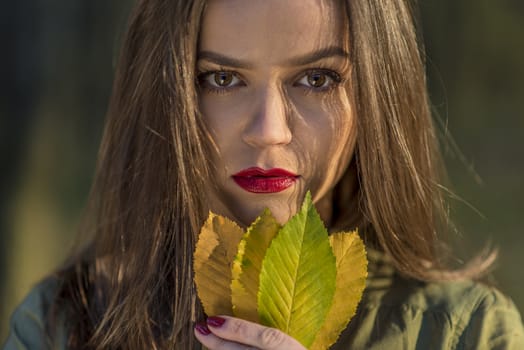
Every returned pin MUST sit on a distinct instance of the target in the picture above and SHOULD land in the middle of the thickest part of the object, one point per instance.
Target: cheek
(343, 127)
(217, 113)
(343, 142)
(338, 150)
(222, 119)
(329, 123)
(329, 135)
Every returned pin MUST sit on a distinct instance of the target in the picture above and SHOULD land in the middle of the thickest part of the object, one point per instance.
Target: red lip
(257, 180)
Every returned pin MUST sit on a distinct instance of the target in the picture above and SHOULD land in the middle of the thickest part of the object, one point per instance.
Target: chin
(282, 211)
(244, 207)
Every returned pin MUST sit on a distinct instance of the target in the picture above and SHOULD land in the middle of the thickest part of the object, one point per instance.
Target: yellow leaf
(213, 258)
(351, 277)
(298, 277)
(248, 263)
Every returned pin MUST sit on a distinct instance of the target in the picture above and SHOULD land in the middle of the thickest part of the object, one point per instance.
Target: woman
(234, 106)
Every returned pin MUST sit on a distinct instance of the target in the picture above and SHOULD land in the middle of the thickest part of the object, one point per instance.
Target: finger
(213, 342)
(252, 334)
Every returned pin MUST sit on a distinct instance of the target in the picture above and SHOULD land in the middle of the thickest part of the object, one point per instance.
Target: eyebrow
(317, 55)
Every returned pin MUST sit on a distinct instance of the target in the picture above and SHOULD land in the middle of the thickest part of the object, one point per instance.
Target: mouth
(257, 180)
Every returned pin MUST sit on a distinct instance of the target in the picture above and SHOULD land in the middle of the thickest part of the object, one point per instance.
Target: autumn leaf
(297, 281)
(351, 264)
(248, 263)
(213, 258)
(294, 277)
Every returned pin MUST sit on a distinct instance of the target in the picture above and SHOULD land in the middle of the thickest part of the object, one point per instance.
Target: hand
(230, 333)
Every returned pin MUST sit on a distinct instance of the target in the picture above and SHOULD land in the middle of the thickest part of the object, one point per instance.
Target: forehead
(269, 31)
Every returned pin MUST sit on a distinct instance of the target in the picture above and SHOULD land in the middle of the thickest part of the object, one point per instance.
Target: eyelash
(333, 79)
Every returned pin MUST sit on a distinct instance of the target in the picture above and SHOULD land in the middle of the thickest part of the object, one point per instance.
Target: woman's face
(273, 79)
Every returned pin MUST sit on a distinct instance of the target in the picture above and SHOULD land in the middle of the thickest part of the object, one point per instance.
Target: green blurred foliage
(476, 78)
(56, 71)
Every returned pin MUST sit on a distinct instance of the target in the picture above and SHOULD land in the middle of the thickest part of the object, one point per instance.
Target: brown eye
(220, 79)
(223, 79)
(316, 79)
(319, 80)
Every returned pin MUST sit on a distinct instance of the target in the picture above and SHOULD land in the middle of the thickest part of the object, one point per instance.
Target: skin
(273, 79)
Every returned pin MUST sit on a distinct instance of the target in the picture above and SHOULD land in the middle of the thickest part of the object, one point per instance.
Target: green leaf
(213, 259)
(352, 263)
(297, 280)
(248, 263)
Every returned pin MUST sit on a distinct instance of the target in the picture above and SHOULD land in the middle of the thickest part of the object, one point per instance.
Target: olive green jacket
(394, 313)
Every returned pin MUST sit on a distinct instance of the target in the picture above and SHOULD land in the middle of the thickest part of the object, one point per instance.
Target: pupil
(223, 78)
(317, 79)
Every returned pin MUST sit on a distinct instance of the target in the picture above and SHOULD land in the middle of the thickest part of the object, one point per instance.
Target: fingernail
(201, 327)
(215, 321)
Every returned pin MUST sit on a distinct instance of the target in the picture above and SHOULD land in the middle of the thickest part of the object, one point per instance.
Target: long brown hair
(129, 285)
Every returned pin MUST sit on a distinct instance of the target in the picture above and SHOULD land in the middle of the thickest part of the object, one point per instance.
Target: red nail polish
(201, 327)
(215, 321)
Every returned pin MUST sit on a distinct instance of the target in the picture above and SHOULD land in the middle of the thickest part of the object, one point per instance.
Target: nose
(268, 125)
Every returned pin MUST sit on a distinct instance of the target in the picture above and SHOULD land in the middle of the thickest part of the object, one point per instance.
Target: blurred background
(56, 69)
